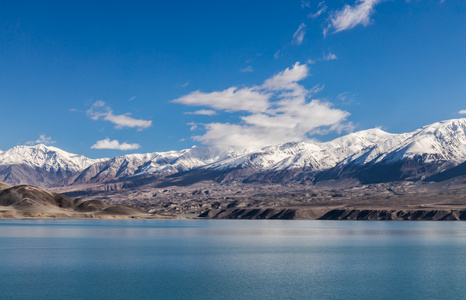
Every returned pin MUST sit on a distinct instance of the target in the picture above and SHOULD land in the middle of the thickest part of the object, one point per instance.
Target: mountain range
(434, 152)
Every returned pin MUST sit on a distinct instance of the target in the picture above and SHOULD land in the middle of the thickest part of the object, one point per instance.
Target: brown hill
(3, 186)
(25, 201)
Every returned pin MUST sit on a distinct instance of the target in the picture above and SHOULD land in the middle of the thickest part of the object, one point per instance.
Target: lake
(231, 259)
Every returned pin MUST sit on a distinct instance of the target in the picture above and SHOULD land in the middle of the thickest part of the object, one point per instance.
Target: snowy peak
(161, 163)
(48, 158)
(442, 141)
(447, 139)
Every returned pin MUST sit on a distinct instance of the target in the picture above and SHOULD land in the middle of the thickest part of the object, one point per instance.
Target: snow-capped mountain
(313, 156)
(49, 158)
(157, 163)
(430, 150)
(369, 155)
(40, 165)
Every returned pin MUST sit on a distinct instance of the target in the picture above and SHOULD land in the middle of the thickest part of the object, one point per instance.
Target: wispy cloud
(346, 97)
(248, 69)
(462, 112)
(100, 110)
(325, 57)
(280, 111)
(321, 8)
(298, 36)
(204, 112)
(185, 84)
(329, 56)
(276, 55)
(351, 16)
(132, 98)
(114, 144)
(43, 139)
(305, 4)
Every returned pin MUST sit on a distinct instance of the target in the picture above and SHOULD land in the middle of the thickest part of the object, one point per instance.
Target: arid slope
(25, 201)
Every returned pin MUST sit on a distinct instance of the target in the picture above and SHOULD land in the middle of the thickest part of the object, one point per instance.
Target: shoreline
(302, 213)
(339, 213)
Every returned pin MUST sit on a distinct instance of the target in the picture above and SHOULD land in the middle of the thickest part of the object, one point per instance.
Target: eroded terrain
(398, 200)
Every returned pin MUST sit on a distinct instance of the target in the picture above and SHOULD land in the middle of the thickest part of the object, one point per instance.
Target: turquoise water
(219, 259)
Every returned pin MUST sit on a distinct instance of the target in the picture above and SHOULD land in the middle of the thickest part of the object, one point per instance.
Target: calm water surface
(206, 259)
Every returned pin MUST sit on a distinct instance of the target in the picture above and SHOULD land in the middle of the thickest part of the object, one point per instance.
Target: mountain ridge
(367, 155)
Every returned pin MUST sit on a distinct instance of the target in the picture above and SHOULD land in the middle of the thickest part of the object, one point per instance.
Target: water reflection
(212, 259)
(141, 228)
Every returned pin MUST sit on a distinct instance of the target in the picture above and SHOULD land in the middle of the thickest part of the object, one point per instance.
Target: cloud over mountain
(114, 144)
(279, 110)
(43, 139)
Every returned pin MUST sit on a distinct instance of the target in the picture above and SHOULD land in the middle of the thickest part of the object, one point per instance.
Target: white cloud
(462, 112)
(329, 56)
(232, 99)
(132, 98)
(43, 139)
(204, 112)
(276, 55)
(286, 113)
(286, 82)
(185, 84)
(351, 16)
(298, 36)
(321, 9)
(305, 4)
(248, 69)
(100, 110)
(114, 144)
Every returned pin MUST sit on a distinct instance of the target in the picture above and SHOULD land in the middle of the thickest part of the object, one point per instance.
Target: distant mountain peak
(47, 157)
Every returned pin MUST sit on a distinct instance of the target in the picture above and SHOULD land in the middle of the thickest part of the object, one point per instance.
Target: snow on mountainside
(442, 144)
(48, 158)
(184, 160)
(313, 156)
(442, 141)
(310, 155)
(165, 163)
(426, 151)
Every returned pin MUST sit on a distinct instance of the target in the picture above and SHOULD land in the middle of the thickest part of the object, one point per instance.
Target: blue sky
(105, 78)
